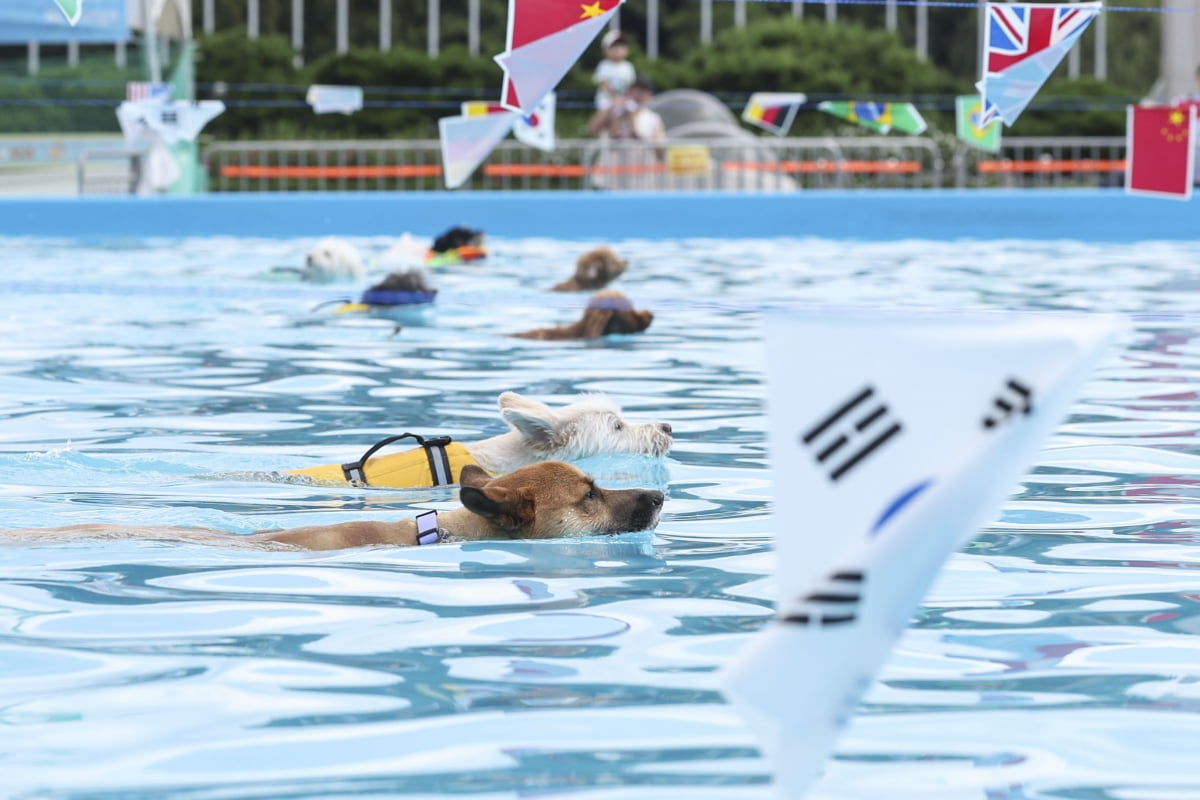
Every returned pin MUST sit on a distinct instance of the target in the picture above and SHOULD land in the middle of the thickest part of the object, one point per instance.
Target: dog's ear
(473, 475)
(501, 505)
(532, 420)
(594, 323)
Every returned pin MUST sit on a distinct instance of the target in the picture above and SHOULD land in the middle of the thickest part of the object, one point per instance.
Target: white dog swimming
(591, 426)
(332, 260)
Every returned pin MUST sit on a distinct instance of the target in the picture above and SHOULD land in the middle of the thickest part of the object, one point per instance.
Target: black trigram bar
(1016, 397)
(851, 432)
(834, 603)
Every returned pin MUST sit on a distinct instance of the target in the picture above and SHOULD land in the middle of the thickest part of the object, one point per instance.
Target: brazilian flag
(879, 117)
(966, 108)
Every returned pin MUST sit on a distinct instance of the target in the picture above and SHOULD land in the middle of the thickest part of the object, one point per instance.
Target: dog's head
(551, 499)
(409, 280)
(588, 427)
(595, 269)
(458, 236)
(332, 260)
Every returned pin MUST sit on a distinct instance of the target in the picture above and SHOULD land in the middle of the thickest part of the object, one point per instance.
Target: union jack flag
(1025, 42)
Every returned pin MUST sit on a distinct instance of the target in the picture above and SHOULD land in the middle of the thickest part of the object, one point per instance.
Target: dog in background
(540, 501)
(595, 269)
(607, 312)
(333, 260)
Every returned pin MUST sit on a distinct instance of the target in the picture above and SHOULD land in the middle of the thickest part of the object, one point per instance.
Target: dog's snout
(665, 427)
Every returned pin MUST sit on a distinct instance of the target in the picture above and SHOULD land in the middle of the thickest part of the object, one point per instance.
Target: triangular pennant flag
(1025, 42)
(889, 448)
(71, 9)
(334, 99)
(773, 111)
(879, 117)
(968, 108)
(537, 129)
(1160, 153)
(172, 120)
(467, 141)
(545, 38)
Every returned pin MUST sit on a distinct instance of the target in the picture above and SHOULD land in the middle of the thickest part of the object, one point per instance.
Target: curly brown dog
(595, 269)
(540, 501)
(607, 312)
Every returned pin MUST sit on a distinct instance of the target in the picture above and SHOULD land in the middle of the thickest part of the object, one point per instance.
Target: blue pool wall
(877, 215)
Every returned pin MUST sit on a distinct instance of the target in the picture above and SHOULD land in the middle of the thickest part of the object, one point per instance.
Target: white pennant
(893, 439)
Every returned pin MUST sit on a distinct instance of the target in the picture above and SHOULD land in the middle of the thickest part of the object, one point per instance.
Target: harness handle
(435, 451)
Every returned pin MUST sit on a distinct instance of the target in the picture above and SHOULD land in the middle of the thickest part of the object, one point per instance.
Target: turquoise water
(1056, 657)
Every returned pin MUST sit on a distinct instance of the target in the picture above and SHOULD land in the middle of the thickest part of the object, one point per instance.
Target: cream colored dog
(588, 427)
(332, 260)
(540, 501)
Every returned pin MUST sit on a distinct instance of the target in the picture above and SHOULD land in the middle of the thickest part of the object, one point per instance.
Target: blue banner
(41, 21)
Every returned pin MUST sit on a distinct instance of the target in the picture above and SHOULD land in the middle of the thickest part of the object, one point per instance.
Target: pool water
(155, 381)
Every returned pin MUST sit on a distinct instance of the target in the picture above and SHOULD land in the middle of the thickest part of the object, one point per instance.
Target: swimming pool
(1055, 657)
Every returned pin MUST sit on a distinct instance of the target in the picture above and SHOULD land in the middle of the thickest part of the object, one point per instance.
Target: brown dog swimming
(541, 501)
(607, 312)
(595, 269)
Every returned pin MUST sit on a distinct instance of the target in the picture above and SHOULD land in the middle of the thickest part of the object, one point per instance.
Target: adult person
(629, 118)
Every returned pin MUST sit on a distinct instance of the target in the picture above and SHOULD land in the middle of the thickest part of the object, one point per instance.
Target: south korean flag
(894, 438)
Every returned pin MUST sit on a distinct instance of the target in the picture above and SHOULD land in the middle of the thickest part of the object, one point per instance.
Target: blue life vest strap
(435, 450)
(428, 531)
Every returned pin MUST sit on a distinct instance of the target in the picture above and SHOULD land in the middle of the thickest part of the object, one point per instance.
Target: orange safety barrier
(328, 172)
(560, 170)
(1006, 166)
(824, 166)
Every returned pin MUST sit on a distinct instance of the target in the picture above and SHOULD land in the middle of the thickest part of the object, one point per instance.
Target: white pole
(433, 32)
(739, 13)
(298, 31)
(150, 42)
(343, 25)
(121, 55)
(33, 51)
(890, 16)
(1101, 46)
(652, 29)
(252, 19)
(210, 16)
(798, 9)
(831, 10)
(385, 25)
(72, 54)
(922, 32)
(473, 27)
(706, 21)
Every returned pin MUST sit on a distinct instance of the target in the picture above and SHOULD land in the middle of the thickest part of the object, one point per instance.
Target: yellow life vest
(436, 462)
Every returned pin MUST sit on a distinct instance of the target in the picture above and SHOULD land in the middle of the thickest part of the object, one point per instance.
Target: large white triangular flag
(467, 141)
(326, 99)
(893, 439)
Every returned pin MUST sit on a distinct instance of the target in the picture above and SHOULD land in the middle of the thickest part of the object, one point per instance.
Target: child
(614, 75)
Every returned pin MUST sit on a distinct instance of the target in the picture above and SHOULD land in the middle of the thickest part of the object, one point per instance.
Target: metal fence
(713, 164)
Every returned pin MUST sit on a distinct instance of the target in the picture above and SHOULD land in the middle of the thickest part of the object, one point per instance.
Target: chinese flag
(1160, 150)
